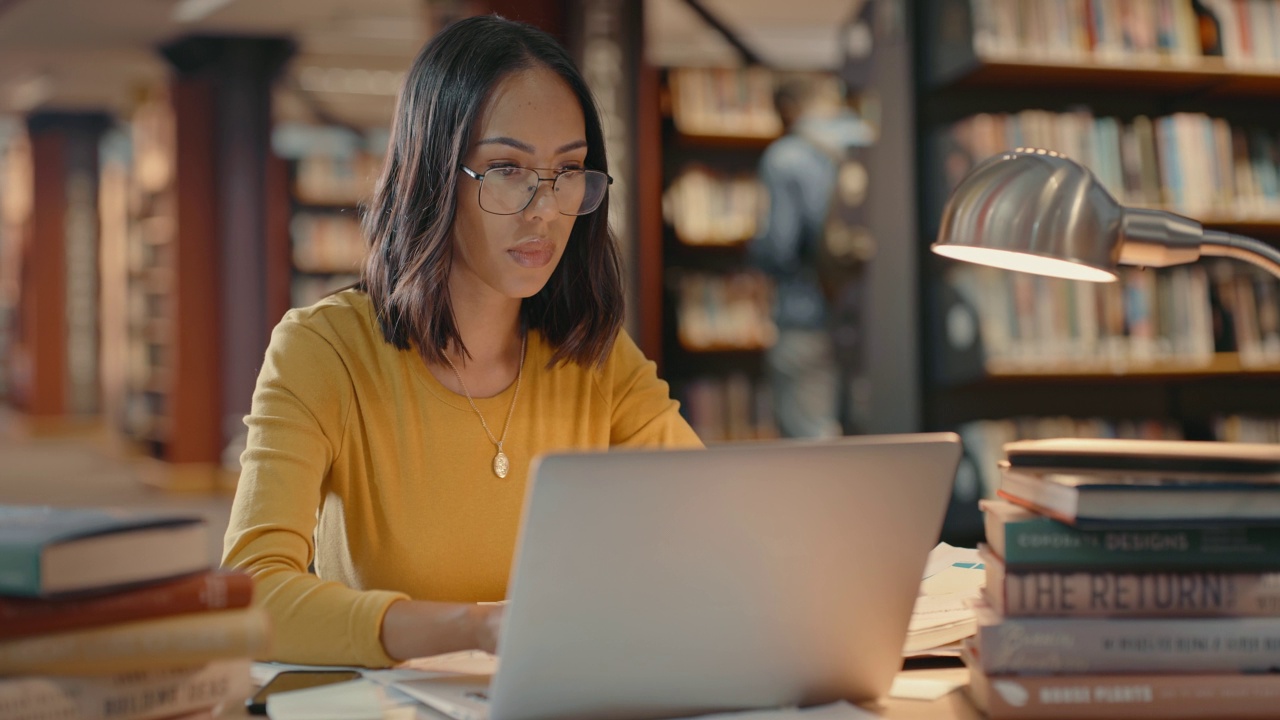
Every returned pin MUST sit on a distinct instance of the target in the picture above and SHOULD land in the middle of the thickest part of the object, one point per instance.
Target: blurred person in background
(801, 173)
(393, 423)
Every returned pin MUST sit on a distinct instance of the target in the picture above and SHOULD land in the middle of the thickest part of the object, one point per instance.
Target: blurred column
(222, 102)
(547, 15)
(55, 363)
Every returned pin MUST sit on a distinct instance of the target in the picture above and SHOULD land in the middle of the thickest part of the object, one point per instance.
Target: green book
(46, 551)
(1028, 540)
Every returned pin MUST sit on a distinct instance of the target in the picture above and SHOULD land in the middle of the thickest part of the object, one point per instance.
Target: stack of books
(114, 614)
(1130, 578)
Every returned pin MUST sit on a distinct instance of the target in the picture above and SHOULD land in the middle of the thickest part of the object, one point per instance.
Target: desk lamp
(1036, 211)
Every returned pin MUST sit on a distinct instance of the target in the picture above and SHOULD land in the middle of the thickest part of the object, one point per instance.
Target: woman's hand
(419, 628)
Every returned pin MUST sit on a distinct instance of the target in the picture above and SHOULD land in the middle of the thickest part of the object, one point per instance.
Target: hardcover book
(1138, 696)
(129, 696)
(1027, 540)
(158, 644)
(1084, 593)
(1096, 499)
(1161, 456)
(1015, 645)
(212, 590)
(46, 551)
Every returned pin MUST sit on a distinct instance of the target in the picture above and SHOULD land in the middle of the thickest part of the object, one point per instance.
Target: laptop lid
(666, 583)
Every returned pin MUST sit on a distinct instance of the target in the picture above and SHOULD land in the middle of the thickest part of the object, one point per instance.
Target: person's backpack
(845, 244)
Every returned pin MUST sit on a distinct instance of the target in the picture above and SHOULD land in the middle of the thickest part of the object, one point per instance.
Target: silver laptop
(651, 584)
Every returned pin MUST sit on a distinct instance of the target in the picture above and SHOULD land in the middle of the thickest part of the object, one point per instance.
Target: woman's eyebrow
(526, 147)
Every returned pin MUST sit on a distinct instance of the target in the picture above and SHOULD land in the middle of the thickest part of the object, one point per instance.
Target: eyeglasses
(509, 190)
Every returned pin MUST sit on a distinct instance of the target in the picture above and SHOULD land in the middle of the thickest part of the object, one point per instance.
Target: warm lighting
(1039, 212)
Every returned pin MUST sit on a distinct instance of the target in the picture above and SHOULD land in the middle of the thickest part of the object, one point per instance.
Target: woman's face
(531, 119)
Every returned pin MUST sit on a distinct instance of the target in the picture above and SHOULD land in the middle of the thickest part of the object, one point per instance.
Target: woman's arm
(301, 406)
(418, 628)
(644, 415)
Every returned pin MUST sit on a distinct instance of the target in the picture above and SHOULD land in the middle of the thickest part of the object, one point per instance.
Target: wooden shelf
(1264, 225)
(721, 348)
(734, 245)
(748, 142)
(1158, 76)
(324, 271)
(1222, 364)
(327, 206)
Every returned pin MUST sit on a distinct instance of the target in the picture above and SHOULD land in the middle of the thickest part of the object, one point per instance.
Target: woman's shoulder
(340, 317)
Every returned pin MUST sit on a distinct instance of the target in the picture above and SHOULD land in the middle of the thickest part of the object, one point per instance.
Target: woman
(393, 423)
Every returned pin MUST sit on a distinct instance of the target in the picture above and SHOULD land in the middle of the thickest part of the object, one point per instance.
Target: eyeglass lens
(507, 191)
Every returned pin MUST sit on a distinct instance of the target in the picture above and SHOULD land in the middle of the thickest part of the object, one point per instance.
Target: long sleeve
(644, 415)
(300, 409)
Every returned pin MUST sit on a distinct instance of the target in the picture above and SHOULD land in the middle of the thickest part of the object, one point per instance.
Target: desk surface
(954, 706)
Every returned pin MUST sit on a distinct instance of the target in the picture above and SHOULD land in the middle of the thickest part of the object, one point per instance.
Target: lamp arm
(1224, 244)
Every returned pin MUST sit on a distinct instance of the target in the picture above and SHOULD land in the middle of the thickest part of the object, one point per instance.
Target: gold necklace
(501, 465)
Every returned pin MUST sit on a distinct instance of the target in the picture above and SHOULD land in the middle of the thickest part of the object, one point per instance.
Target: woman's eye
(505, 170)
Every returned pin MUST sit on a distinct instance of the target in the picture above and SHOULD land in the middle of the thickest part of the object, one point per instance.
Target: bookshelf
(15, 207)
(329, 171)
(146, 236)
(1166, 116)
(716, 311)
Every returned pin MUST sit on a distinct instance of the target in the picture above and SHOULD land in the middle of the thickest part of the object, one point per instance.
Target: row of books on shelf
(732, 311)
(1186, 162)
(120, 615)
(332, 166)
(1244, 33)
(1239, 428)
(706, 207)
(326, 242)
(724, 102)
(1130, 579)
(1177, 317)
(729, 407)
(307, 290)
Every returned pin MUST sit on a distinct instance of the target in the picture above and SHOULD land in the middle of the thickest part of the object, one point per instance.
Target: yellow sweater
(360, 460)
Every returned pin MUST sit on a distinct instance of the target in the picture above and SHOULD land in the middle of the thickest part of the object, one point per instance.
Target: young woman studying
(393, 424)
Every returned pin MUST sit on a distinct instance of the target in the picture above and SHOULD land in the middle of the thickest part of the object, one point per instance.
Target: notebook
(652, 584)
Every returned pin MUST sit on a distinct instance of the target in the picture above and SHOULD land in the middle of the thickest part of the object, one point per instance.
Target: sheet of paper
(944, 555)
(915, 688)
(466, 662)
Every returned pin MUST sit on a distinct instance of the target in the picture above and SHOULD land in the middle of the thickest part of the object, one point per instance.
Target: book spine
(1136, 594)
(1045, 544)
(1087, 645)
(218, 590)
(1134, 697)
(190, 639)
(132, 696)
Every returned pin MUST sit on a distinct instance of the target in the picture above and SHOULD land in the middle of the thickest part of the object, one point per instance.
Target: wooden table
(954, 706)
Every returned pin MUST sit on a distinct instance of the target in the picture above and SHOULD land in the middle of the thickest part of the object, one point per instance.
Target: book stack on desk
(1134, 579)
(117, 614)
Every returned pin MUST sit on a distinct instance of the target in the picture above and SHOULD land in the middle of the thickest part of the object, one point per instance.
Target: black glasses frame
(480, 176)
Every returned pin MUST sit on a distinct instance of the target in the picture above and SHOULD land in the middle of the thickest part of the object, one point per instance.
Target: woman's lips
(533, 253)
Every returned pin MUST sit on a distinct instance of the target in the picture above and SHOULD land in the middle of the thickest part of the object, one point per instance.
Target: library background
(175, 175)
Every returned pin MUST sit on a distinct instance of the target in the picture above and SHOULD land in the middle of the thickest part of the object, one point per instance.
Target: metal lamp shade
(1034, 211)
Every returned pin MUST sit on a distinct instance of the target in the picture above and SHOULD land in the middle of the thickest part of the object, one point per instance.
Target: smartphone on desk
(287, 680)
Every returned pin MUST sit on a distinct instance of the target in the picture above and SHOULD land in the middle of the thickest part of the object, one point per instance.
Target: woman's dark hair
(409, 222)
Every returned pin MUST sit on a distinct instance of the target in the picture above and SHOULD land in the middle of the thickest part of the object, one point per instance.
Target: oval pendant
(500, 464)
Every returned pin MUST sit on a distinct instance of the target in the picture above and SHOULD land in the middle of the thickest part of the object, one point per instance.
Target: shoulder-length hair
(409, 222)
